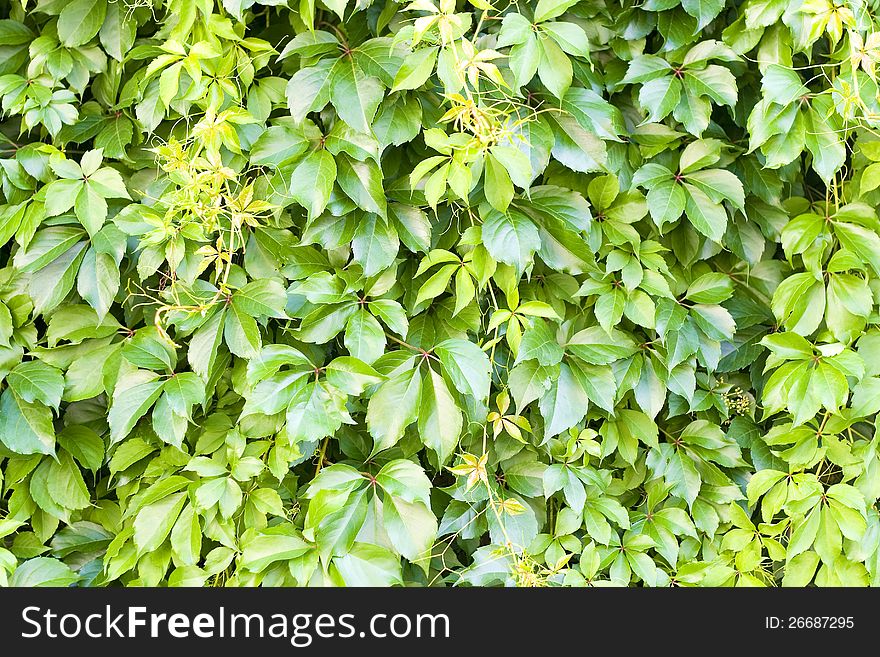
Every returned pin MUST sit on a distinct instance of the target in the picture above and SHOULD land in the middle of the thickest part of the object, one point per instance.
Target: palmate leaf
(377, 293)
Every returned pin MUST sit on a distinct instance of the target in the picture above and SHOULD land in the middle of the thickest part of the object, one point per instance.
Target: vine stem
(321, 455)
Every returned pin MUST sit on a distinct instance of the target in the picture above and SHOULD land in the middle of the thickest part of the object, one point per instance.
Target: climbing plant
(454, 292)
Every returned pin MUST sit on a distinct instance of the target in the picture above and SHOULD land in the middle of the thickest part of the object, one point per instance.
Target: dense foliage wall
(324, 292)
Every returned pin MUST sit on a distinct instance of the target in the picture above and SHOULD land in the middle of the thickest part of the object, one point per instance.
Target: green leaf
(128, 453)
(368, 565)
(351, 375)
(782, 85)
(315, 412)
(510, 238)
(362, 182)
(85, 445)
(646, 67)
(466, 365)
(497, 184)
(707, 217)
(279, 543)
(117, 35)
(788, 345)
(439, 420)
(524, 59)
(515, 162)
(186, 537)
(308, 90)
(716, 82)
(823, 141)
(539, 343)
(564, 404)
(570, 37)
(416, 69)
(312, 181)
(651, 175)
(261, 298)
(25, 427)
(204, 345)
(397, 121)
(280, 144)
(547, 9)
(799, 302)
(718, 185)
(149, 350)
(80, 20)
(154, 522)
(354, 95)
(554, 67)
(43, 571)
(36, 381)
(861, 241)
(338, 529)
(609, 308)
(684, 477)
(804, 534)
(411, 528)
(133, 396)
(710, 288)
(405, 480)
(66, 484)
(364, 337)
(528, 381)
(666, 202)
(799, 571)
(98, 281)
(704, 11)
(392, 408)
(660, 96)
(61, 196)
(599, 347)
(391, 313)
(241, 333)
(598, 382)
(91, 208)
(375, 244)
(575, 147)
